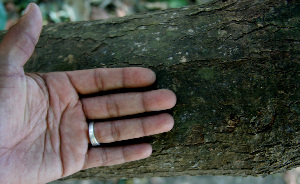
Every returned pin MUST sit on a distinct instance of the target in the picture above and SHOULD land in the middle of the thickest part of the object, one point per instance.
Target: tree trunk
(234, 66)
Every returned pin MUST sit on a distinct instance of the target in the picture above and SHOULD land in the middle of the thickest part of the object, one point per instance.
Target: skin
(43, 125)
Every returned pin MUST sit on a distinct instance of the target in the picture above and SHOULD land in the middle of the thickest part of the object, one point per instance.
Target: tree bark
(234, 66)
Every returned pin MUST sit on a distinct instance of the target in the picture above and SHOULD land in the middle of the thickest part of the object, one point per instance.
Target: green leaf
(177, 3)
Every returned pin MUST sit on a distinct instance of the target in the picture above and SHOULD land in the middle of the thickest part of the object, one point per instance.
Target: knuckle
(123, 157)
(104, 157)
(98, 80)
(112, 107)
(143, 127)
(115, 131)
(27, 44)
(123, 78)
(143, 101)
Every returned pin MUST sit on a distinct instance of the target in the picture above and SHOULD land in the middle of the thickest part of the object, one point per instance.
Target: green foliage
(3, 16)
(177, 3)
(23, 3)
(173, 3)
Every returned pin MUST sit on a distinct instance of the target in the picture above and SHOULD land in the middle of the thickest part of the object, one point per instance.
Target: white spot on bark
(172, 28)
(222, 32)
(138, 44)
(190, 31)
(183, 59)
(70, 58)
(142, 27)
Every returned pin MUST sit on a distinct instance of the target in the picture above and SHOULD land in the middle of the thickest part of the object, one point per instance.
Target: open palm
(43, 122)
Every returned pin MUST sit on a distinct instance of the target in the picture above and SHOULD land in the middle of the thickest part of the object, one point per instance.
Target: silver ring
(93, 139)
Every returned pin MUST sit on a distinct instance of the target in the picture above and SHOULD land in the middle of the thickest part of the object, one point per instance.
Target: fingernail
(27, 9)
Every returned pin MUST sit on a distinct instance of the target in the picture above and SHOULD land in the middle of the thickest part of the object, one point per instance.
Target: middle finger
(117, 105)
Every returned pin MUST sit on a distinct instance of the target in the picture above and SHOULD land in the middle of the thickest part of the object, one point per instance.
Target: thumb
(20, 40)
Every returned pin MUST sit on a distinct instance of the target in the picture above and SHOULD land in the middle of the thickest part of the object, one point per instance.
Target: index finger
(103, 79)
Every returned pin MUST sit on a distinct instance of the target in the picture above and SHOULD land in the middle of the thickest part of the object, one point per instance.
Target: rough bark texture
(234, 66)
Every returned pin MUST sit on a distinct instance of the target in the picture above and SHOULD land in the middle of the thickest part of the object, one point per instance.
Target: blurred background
(55, 11)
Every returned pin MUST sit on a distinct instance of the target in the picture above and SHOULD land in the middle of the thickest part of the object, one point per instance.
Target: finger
(19, 42)
(107, 132)
(103, 79)
(117, 105)
(116, 155)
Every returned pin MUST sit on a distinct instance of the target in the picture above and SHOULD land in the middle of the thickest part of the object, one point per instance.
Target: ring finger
(112, 131)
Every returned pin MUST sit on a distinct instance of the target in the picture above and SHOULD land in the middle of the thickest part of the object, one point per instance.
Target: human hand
(43, 125)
